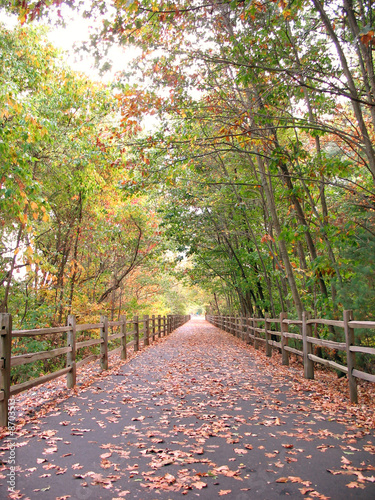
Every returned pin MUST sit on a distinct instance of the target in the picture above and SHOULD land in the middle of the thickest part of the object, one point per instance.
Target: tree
(268, 109)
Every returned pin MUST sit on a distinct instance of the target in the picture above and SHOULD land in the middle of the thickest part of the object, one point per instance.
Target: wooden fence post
(153, 327)
(104, 344)
(350, 356)
(5, 353)
(136, 333)
(71, 377)
(249, 328)
(146, 329)
(255, 325)
(284, 340)
(170, 321)
(308, 365)
(268, 336)
(123, 337)
(246, 329)
(159, 326)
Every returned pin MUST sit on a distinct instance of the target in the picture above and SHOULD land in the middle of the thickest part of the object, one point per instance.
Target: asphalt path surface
(194, 414)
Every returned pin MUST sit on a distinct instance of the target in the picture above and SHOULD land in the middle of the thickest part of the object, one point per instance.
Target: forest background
(252, 191)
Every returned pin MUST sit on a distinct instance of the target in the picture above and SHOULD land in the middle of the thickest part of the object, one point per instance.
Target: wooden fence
(156, 326)
(262, 330)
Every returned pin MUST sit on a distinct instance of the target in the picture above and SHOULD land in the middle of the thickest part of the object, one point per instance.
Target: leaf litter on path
(200, 412)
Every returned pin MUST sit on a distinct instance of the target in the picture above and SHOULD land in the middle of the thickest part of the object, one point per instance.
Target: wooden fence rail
(262, 330)
(156, 326)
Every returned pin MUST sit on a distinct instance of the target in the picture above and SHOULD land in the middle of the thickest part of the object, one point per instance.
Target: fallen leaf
(199, 485)
(304, 491)
(170, 478)
(354, 484)
(49, 451)
(47, 434)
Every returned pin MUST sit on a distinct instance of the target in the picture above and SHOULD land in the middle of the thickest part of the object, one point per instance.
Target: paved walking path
(194, 415)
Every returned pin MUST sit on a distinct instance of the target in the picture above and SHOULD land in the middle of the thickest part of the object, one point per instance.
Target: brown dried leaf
(282, 480)
(199, 485)
(354, 484)
(170, 478)
(304, 491)
(240, 451)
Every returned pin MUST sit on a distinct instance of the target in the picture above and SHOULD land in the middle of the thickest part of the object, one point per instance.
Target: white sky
(77, 31)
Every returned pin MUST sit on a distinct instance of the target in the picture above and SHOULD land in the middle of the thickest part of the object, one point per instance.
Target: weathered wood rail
(152, 327)
(260, 330)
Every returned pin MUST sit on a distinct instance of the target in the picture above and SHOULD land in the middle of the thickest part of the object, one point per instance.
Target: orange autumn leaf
(199, 485)
(367, 37)
(354, 484)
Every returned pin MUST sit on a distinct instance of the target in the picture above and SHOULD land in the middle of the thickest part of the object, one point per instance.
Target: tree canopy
(257, 175)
